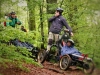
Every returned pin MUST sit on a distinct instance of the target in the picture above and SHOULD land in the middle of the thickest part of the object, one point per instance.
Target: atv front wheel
(65, 62)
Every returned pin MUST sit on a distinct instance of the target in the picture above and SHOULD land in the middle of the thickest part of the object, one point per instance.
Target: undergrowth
(16, 56)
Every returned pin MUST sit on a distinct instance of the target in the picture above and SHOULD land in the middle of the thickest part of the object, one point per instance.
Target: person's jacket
(57, 24)
(69, 50)
(12, 21)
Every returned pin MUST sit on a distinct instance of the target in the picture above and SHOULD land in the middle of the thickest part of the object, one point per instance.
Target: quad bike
(82, 61)
(54, 50)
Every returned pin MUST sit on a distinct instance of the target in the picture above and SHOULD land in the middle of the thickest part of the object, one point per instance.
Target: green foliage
(11, 54)
(1, 28)
(14, 55)
(82, 15)
(9, 33)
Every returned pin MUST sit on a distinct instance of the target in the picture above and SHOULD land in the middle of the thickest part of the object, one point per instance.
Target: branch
(61, 3)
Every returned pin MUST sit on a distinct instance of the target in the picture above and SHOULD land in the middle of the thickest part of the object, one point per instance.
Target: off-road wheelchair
(82, 61)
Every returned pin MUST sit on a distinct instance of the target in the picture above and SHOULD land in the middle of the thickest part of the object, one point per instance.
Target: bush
(11, 54)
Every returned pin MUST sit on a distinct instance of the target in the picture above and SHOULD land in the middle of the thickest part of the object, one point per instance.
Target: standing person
(13, 20)
(57, 23)
(6, 18)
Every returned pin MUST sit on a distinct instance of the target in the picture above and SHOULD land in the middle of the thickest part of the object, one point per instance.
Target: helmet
(71, 41)
(12, 13)
(59, 10)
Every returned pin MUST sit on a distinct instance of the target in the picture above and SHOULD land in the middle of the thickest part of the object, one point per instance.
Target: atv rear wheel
(88, 66)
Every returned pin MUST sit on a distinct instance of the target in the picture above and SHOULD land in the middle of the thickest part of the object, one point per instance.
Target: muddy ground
(47, 69)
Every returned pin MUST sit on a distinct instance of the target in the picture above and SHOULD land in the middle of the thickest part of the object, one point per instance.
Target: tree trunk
(32, 20)
(0, 11)
(42, 28)
(31, 7)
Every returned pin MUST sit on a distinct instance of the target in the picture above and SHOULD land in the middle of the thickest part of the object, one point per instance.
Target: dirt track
(48, 69)
(56, 70)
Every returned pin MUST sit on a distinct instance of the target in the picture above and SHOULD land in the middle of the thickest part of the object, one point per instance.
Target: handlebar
(66, 30)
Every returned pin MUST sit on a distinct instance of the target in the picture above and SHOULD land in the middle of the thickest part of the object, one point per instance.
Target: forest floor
(48, 69)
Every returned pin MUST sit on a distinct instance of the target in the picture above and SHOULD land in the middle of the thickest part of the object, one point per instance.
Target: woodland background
(82, 15)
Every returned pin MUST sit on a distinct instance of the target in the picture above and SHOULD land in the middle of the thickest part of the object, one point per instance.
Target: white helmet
(70, 40)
